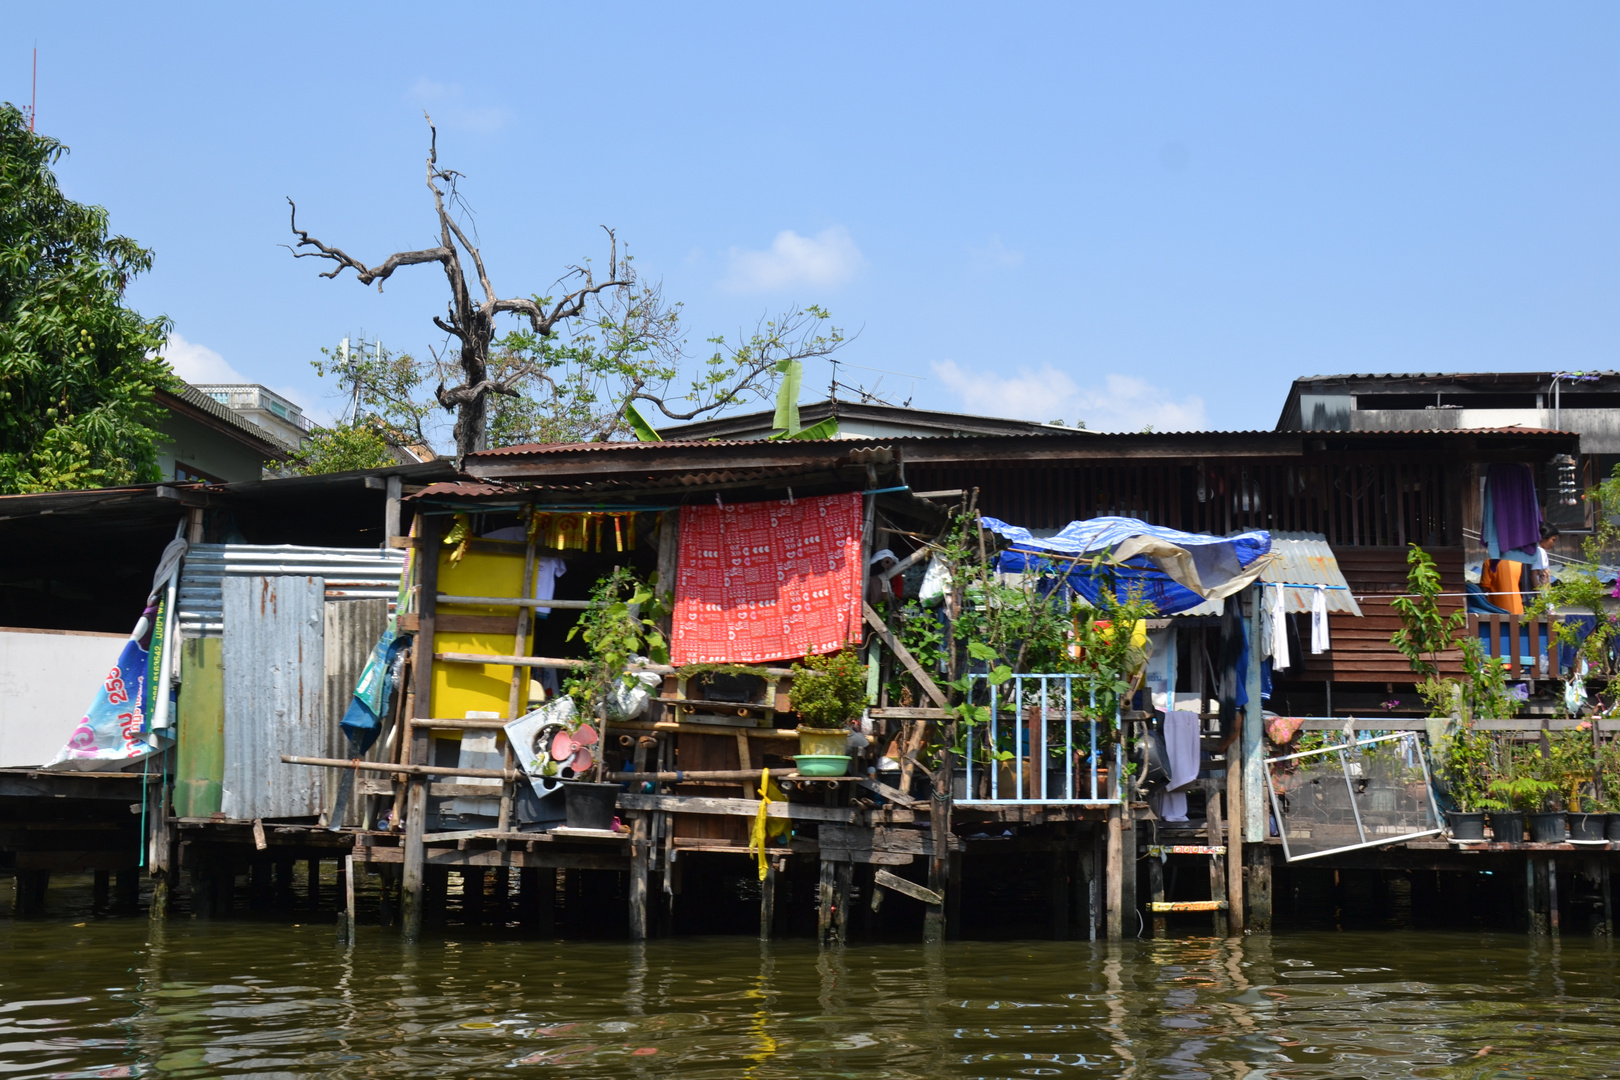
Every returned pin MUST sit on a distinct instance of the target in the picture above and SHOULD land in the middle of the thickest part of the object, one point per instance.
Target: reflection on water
(118, 997)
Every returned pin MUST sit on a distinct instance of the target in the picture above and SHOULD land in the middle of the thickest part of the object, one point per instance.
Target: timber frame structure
(691, 783)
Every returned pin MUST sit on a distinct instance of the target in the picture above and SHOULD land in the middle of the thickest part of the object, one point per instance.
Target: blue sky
(1125, 214)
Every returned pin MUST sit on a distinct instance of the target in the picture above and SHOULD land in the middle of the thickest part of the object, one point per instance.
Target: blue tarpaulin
(1174, 570)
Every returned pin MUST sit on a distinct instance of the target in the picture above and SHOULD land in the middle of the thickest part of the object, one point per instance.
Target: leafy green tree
(77, 367)
(342, 449)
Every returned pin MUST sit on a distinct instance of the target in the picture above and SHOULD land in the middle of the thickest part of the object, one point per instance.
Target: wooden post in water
(159, 848)
(1114, 875)
(824, 902)
(348, 896)
(767, 901)
(843, 876)
(411, 890)
(1085, 876)
(1217, 863)
(1157, 926)
(640, 865)
(1234, 845)
(1552, 895)
(1606, 924)
(1534, 890)
(1258, 858)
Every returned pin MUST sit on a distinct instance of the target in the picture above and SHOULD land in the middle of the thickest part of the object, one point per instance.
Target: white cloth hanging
(1319, 622)
(1276, 603)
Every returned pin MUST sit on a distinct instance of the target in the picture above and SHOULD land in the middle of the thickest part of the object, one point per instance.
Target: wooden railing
(1528, 643)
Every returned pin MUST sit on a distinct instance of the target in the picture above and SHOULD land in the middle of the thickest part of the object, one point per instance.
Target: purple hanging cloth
(1513, 498)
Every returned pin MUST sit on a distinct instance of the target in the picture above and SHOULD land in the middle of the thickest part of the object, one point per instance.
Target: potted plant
(1515, 799)
(828, 692)
(1573, 763)
(620, 628)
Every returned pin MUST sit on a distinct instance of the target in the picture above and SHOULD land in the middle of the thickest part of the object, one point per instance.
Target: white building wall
(48, 679)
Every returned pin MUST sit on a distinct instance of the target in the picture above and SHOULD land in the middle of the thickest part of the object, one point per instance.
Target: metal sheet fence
(1039, 747)
(274, 682)
(1350, 795)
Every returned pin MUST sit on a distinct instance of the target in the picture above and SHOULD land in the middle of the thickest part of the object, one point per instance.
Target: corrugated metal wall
(349, 573)
(353, 628)
(274, 689)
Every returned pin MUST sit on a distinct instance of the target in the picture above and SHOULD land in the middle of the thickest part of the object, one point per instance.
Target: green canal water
(90, 997)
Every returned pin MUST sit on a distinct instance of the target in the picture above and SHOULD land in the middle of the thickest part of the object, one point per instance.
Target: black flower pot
(1507, 826)
(1588, 827)
(1613, 831)
(589, 806)
(1466, 825)
(1547, 828)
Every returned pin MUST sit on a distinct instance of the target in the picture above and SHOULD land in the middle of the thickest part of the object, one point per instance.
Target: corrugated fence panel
(350, 574)
(353, 628)
(274, 685)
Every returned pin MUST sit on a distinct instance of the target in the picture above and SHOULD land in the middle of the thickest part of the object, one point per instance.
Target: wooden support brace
(924, 680)
(885, 880)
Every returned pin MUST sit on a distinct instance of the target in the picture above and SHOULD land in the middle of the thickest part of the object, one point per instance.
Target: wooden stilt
(1552, 895)
(411, 892)
(1534, 871)
(640, 867)
(1114, 876)
(1090, 862)
(954, 882)
(843, 876)
(160, 855)
(1155, 869)
(1131, 925)
(1606, 924)
(349, 915)
(30, 886)
(1217, 863)
(824, 902)
(1234, 846)
(939, 863)
(767, 901)
(1258, 877)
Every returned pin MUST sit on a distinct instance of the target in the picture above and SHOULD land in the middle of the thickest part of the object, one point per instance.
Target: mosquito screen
(1352, 795)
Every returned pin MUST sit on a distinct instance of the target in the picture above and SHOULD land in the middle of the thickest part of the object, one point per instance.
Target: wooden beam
(684, 804)
(885, 880)
(875, 621)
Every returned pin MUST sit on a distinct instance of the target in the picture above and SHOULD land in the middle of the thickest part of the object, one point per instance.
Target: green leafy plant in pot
(620, 629)
(828, 692)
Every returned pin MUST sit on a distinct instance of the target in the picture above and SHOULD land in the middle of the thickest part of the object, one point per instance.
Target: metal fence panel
(353, 628)
(274, 682)
(1040, 746)
(349, 573)
(1350, 795)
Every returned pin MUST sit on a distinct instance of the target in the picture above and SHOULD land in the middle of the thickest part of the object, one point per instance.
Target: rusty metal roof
(1300, 558)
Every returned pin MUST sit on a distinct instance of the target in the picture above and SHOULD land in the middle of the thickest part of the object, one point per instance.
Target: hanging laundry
(1514, 515)
(547, 569)
(1500, 580)
(1160, 678)
(1319, 622)
(1276, 604)
(768, 580)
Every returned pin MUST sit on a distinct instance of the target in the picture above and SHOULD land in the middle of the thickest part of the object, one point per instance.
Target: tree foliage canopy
(77, 367)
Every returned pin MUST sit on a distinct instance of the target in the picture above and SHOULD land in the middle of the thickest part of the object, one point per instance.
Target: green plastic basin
(822, 764)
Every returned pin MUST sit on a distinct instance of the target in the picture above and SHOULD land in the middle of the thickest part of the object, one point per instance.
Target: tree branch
(366, 274)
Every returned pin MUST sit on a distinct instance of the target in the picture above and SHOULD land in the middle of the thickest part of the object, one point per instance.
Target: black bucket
(1466, 825)
(1507, 826)
(589, 806)
(1590, 827)
(1547, 828)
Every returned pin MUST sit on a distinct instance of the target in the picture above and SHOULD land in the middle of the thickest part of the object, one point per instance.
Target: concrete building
(207, 440)
(264, 407)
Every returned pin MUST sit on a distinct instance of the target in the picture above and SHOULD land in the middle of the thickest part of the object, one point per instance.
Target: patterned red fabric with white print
(768, 580)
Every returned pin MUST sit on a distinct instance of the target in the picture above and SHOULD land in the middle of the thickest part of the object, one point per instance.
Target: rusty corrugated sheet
(274, 681)
(353, 628)
(1300, 558)
(349, 573)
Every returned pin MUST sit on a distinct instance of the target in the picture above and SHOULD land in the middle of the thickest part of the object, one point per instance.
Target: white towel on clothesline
(1319, 622)
(1279, 627)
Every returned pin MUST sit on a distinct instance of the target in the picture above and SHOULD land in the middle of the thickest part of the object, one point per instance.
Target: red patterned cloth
(768, 580)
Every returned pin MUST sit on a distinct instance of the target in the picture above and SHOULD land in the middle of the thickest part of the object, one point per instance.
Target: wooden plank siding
(1361, 651)
(1367, 503)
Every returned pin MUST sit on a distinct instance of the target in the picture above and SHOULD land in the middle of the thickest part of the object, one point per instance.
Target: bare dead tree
(636, 323)
(471, 322)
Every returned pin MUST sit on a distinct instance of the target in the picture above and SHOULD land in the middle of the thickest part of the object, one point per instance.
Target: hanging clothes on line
(1511, 516)
(1500, 579)
(1319, 622)
(1276, 606)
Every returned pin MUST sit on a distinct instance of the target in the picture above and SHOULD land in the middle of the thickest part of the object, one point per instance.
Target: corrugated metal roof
(349, 573)
(1300, 558)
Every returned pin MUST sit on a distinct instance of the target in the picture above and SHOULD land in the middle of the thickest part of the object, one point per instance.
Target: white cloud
(1118, 403)
(198, 363)
(996, 255)
(827, 259)
(449, 107)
